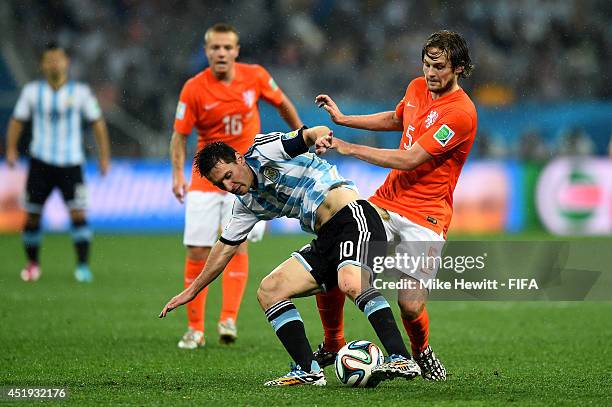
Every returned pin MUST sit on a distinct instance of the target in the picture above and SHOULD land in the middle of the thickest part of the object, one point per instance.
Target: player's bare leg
(290, 280)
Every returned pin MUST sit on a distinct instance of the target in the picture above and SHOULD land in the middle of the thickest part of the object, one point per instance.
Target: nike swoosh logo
(211, 106)
(410, 104)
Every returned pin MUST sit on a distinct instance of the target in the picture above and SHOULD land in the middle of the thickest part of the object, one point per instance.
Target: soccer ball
(355, 361)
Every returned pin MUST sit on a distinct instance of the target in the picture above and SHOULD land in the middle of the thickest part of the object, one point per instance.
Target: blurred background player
(438, 121)
(56, 107)
(221, 102)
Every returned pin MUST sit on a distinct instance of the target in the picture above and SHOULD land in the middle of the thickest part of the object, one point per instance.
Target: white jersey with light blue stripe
(57, 130)
(286, 186)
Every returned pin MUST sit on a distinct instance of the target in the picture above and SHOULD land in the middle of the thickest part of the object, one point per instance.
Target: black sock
(31, 242)
(289, 327)
(378, 311)
(82, 251)
(81, 236)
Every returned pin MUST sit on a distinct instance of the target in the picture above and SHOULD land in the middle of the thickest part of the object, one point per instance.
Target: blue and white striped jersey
(287, 186)
(57, 131)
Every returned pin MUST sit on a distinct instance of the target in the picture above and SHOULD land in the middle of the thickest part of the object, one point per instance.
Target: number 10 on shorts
(346, 249)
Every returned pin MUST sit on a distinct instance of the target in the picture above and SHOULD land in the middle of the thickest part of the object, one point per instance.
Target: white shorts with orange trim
(415, 241)
(206, 213)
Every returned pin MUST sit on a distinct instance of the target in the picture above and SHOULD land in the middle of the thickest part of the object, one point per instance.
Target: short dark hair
(221, 28)
(454, 46)
(52, 46)
(206, 159)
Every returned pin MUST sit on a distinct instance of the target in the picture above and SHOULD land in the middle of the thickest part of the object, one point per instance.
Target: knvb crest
(431, 119)
(249, 98)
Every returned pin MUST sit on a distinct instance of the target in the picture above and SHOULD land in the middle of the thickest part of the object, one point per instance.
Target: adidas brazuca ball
(355, 361)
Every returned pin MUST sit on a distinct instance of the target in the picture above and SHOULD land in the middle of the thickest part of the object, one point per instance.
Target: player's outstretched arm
(13, 133)
(177, 157)
(289, 113)
(403, 160)
(102, 141)
(219, 257)
(313, 134)
(383, 121)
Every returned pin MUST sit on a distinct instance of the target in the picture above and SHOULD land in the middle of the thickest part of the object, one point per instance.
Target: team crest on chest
(431, 119)
(249, 98)
(271, 174)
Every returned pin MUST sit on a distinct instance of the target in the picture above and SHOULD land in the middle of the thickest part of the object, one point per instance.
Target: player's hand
(178, 300)
(330, 142)
(179, 187)
(104, 166)
(323, 144)
(11, 157)
(327, 103)
(341, 146)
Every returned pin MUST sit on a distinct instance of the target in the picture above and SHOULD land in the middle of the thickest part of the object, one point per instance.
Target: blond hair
(220, 28)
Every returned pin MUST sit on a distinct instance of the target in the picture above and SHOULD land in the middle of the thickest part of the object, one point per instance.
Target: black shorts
(43, 178)
(354, 235)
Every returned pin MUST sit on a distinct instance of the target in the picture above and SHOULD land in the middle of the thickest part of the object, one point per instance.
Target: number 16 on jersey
(233, 125)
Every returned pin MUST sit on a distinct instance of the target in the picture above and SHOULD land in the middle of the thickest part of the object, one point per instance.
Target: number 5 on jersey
(233, 125)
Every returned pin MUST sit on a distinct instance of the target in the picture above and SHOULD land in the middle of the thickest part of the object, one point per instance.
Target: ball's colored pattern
(355, 361)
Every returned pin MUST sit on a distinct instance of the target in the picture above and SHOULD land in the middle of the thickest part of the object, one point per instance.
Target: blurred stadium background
(540, 167)
(542, 88)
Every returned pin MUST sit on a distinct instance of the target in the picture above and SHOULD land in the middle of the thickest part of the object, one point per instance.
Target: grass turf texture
(104, 342)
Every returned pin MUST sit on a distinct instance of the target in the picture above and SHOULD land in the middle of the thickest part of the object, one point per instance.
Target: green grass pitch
(104, 342)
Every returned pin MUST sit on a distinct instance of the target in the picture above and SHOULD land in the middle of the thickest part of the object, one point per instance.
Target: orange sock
(418, 331)
(331, 310)
(234, 281)
(195, 309)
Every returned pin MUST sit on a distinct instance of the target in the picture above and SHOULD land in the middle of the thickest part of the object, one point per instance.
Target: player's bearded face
(222, 50)
(439, 74)
(235, 178)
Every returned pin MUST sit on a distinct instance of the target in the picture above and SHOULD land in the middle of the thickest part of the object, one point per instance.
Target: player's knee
(349, 289)
(79, 222)
(243, 248)
(198, 253)
(32, 221)
(350, 281)
(411, 309)
(270, 290)
(262, 296)
(78, 217)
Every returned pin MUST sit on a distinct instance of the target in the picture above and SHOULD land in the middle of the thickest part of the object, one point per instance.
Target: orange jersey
(227, 113)
(445, 128)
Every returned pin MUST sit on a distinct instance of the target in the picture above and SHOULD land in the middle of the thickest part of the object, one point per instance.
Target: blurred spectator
(576, 142)
(486, 146)
(141, 51)
(532, 148)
